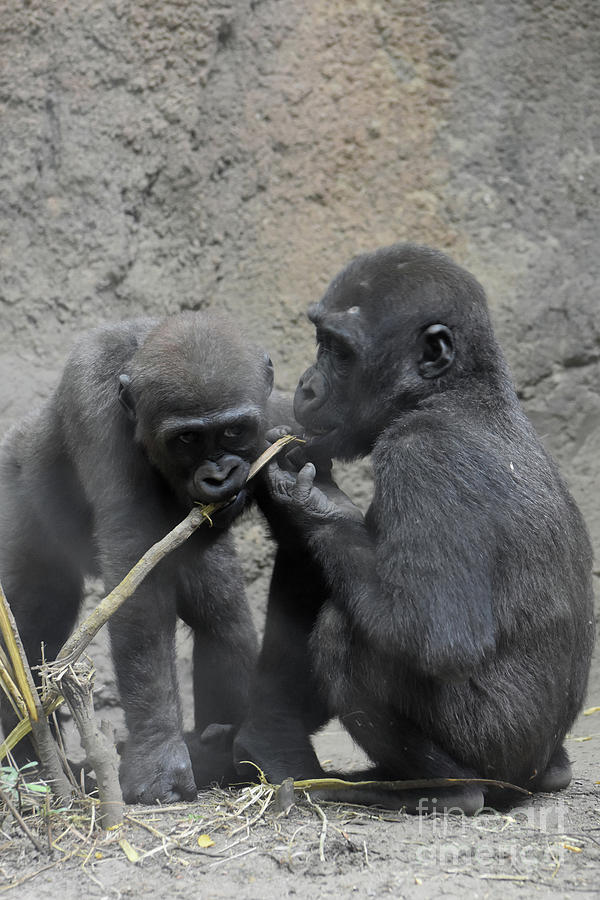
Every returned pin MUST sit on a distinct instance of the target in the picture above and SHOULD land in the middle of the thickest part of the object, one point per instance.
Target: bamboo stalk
(17, 657)
(23, 728)
(40, 729)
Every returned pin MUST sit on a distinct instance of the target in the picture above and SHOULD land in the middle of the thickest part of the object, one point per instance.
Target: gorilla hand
(156, 770)
(313, 500)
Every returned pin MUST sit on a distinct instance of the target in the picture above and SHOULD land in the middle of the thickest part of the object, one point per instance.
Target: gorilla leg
(155, 762)
(211, 600)
(225, 651)
(402, 751)
(286, 703)
(222, 673)
(366, 699)
(221, 680)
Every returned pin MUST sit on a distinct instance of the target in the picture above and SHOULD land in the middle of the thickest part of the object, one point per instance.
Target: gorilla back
(149, 417)
(452, 629)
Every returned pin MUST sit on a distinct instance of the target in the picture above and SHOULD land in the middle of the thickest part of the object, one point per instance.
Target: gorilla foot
(557, 775)
(211, 755)
(278, 760)
(464, 800)
(156, 770)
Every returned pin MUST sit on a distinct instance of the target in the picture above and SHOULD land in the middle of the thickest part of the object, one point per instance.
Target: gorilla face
(199, 422)
(378, 353)
(208, 458)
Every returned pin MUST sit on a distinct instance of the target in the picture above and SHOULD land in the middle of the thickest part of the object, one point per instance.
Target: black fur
(100, 474)
(452, 628)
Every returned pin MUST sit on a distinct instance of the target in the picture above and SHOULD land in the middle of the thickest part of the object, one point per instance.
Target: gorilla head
(197, 394)
(379, 352)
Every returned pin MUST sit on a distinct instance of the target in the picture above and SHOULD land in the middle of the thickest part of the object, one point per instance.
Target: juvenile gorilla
(149, 418)
(452, 628)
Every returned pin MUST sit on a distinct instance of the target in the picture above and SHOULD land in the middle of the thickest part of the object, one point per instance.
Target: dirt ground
(548, 845)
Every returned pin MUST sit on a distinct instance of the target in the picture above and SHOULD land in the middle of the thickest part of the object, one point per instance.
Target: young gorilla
(90, 483)
(452, 629)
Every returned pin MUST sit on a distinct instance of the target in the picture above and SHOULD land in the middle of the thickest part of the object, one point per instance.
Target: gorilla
(451, 628)
(149, 418)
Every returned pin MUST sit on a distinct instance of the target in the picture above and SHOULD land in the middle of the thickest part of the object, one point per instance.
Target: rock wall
(160, 156)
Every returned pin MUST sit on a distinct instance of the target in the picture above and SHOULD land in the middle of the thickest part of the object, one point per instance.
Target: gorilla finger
(173, 796)
(184, 785)
(304, 482)
(279, 480)
(273, 434)
(188, 791)
(296, 457)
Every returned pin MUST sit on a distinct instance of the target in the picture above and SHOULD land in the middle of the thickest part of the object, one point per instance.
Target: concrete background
(175, 155)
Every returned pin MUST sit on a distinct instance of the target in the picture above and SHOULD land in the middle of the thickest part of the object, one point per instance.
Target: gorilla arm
(417, 587)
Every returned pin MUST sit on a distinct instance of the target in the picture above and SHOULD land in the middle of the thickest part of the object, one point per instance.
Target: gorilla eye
(233, 431)
(187, 437)
(341, 350)
(333, 347)
(325, 344)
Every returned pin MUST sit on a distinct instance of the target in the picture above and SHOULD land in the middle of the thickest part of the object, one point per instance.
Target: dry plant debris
(224, 827)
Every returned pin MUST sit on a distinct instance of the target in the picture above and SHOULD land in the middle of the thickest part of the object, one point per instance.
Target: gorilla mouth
(320, 446)
(222, 498)
(322, 436)
(231, 508)
(315, 432)
(220, 486)
(231, 500)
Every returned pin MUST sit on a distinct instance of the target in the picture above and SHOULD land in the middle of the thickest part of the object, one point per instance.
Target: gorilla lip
(318, 432)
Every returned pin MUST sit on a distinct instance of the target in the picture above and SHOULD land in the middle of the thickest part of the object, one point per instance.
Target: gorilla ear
(269, 373)
(126, 397)
(437, 351)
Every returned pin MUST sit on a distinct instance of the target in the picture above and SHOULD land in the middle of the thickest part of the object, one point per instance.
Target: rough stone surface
(173, 155)
(161, 156)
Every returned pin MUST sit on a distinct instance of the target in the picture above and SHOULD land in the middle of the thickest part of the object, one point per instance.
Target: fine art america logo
(527, 838)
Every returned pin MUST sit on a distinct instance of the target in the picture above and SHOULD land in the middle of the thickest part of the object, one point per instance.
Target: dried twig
(323, 819)
(340, 785)
(81, 638)
(23, 727)
(76, 685)
(40, 728)
(21, 822)
(7, 683)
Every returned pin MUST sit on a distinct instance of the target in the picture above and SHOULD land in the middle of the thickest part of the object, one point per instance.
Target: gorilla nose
(310, 394)
(216, 480)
